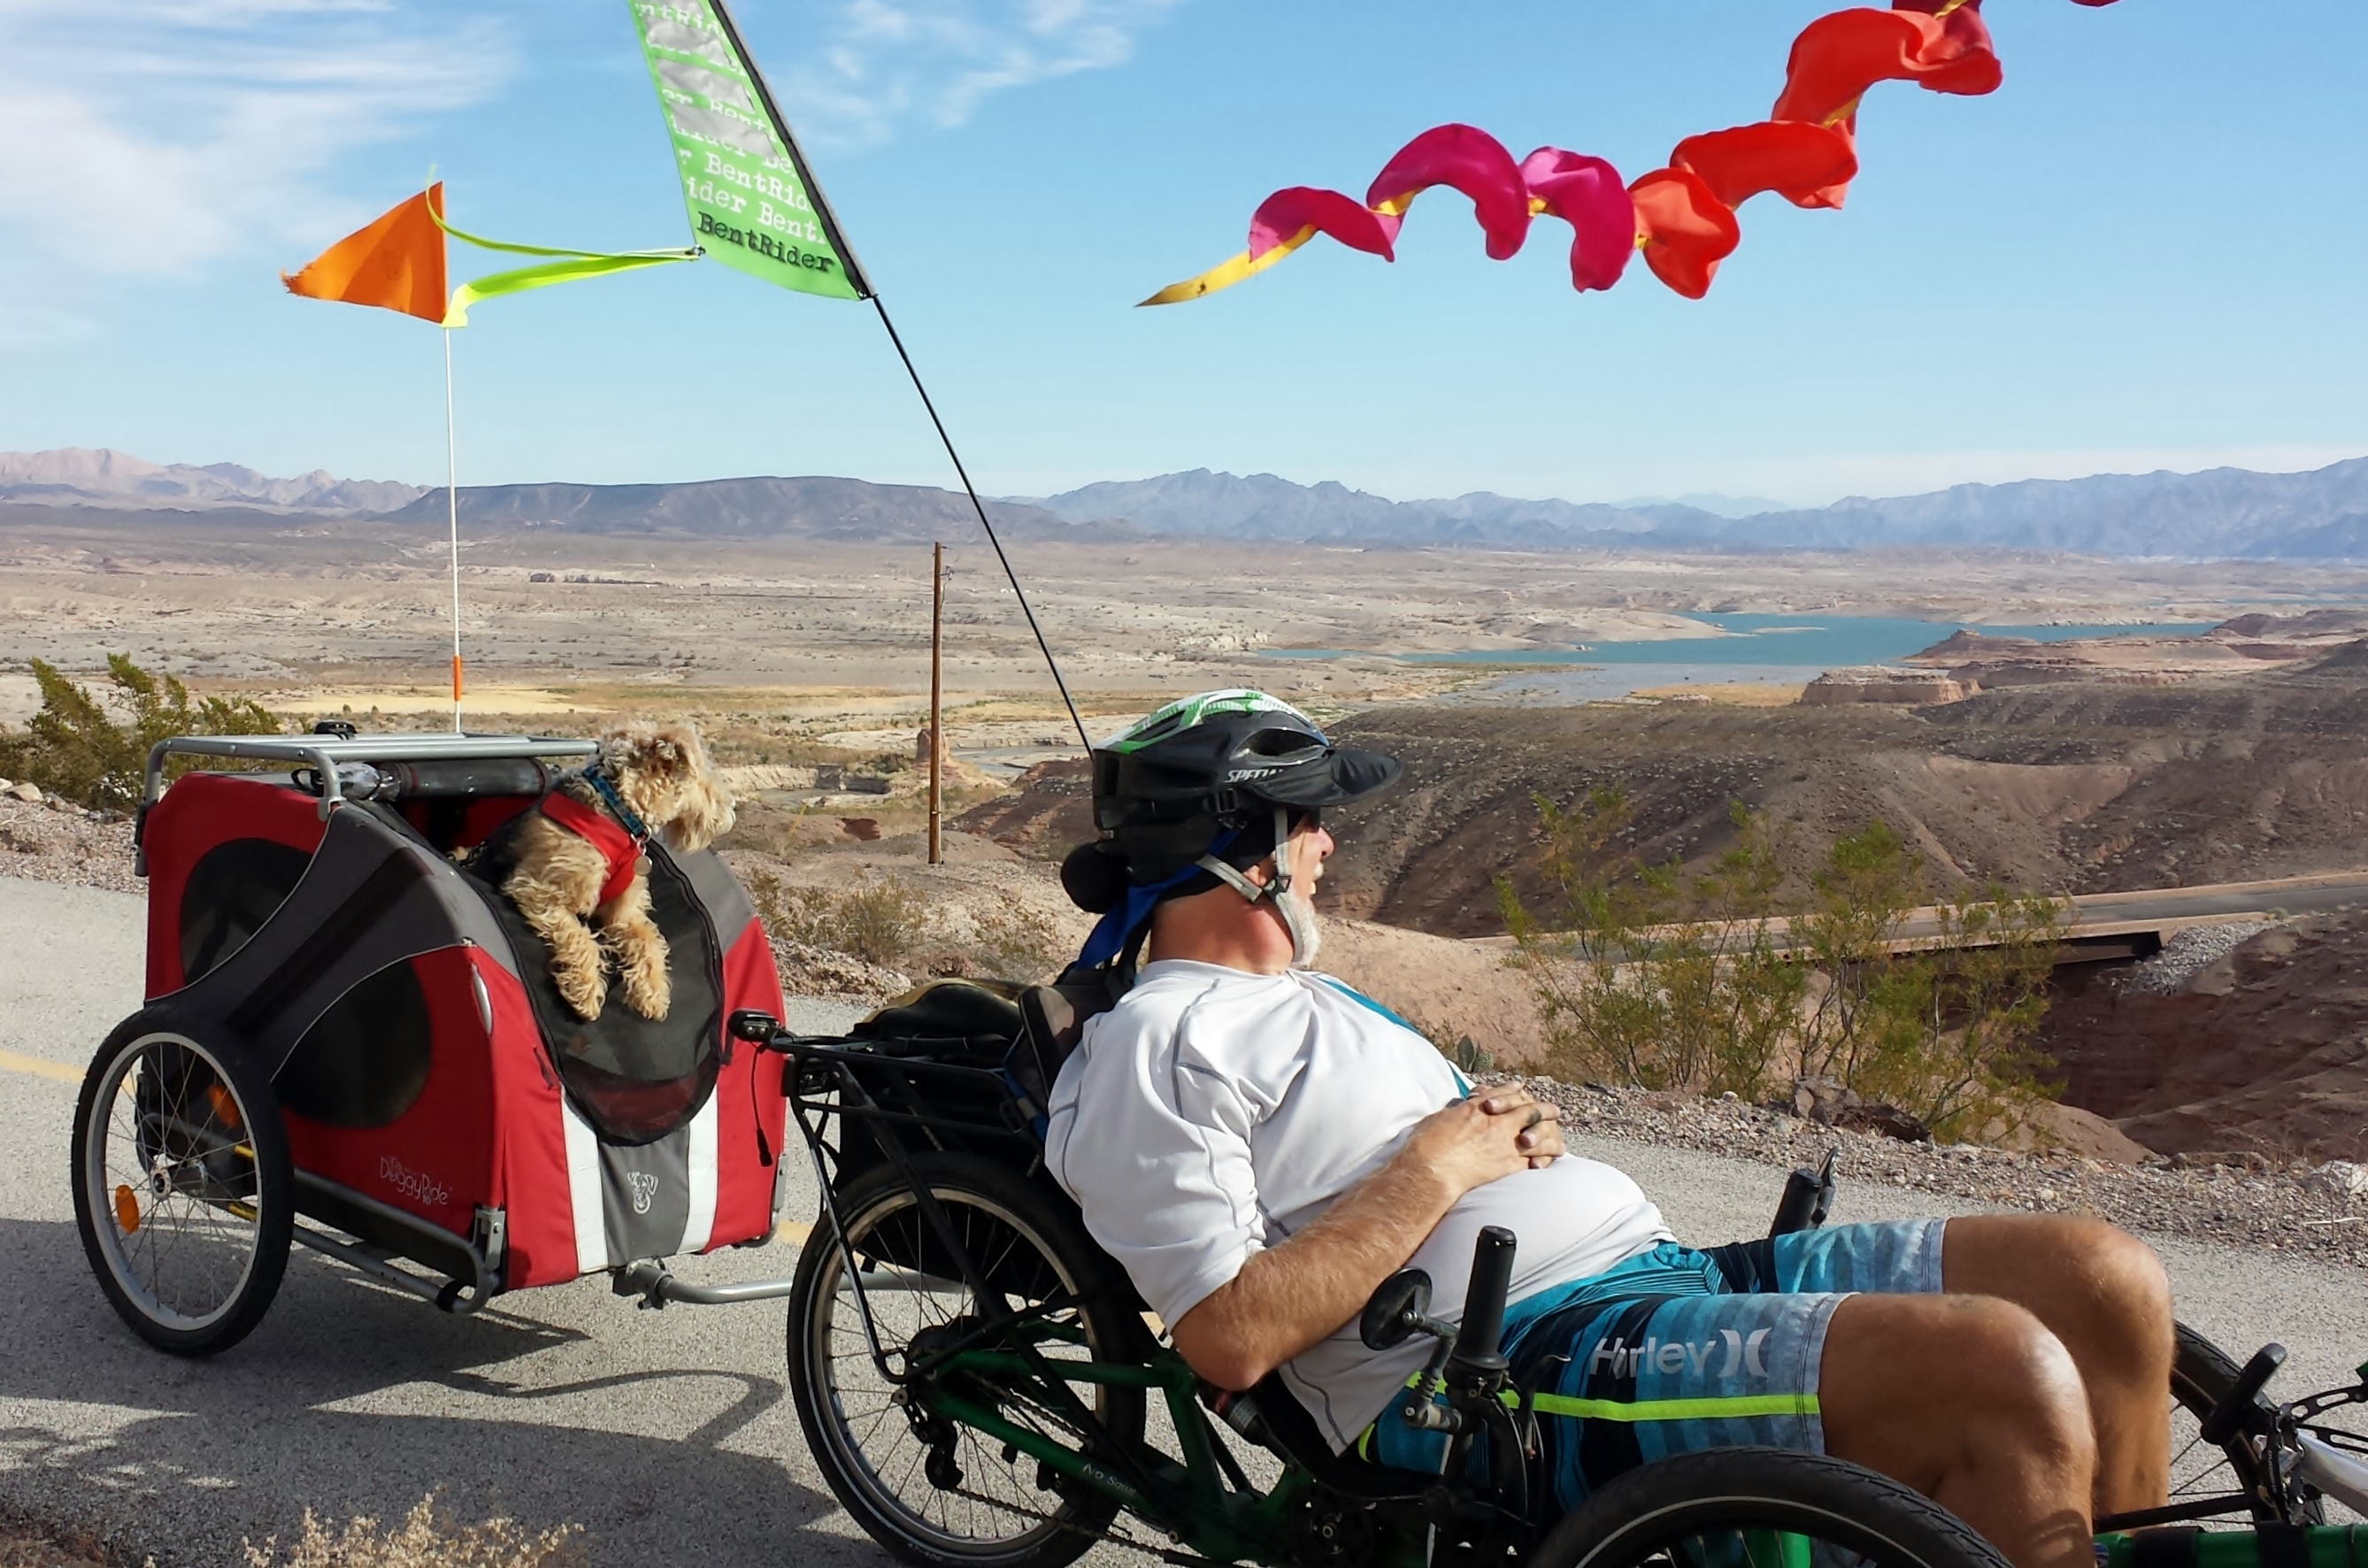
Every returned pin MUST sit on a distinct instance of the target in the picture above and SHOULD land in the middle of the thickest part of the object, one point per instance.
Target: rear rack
(323, 752)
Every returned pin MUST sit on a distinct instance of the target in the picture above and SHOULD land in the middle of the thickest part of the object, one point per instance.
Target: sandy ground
(342, 614)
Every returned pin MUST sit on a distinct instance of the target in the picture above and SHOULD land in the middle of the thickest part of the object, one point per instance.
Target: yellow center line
(64, 1073)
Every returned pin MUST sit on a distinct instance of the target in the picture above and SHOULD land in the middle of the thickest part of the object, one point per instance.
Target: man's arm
(1287, 1297)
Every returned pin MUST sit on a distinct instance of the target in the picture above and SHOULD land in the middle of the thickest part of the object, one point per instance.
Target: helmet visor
(1348, 773)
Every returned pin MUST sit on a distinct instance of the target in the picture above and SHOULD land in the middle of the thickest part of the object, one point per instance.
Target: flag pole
(452, 509)
(980, 508)
(937, 697)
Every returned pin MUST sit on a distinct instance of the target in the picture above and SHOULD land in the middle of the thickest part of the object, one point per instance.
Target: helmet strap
(1298, 918)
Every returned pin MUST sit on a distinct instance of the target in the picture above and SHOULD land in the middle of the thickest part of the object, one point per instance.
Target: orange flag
(396, 262)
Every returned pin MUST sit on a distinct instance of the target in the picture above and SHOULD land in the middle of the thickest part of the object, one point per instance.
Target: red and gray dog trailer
(351, 1042)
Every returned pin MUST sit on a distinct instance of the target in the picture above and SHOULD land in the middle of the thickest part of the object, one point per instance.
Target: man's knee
(2078, 1263)
(1961, 1378)
(2020, 1373)
(2122, 1287)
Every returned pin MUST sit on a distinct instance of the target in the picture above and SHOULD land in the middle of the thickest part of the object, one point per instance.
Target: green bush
(1716, 982)
(73, 747)
(878, 919)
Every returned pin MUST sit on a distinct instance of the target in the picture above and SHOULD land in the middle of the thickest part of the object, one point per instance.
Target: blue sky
(2145, 251)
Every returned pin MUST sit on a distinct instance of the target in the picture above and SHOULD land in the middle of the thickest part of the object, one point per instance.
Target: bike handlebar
(1477, 1342)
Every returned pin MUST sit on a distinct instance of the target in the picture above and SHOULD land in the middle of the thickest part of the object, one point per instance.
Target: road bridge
(2107, 925)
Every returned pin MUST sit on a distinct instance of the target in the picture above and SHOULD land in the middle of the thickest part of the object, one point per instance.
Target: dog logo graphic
(643, 1187)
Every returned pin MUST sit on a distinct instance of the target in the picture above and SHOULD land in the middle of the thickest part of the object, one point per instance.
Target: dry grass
(427, 1537)
(24, 1544)
(892, 922)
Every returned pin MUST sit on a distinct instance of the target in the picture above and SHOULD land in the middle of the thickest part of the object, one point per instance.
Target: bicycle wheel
(182, 1188)
(2200, 1373)
(1749, 1508)
(930, 1491)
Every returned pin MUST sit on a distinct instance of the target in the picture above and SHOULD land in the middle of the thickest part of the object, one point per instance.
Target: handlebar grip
(2228, 1418)
(1478, 1340)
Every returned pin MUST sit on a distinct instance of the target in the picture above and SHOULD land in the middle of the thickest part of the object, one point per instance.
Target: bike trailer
(440, 1102)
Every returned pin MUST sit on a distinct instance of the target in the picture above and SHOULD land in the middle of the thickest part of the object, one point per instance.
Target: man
(1261, 1146)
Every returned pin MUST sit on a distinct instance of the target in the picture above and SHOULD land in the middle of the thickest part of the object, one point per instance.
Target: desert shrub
(1715, 982)
(1014, 942)
(887, 921)
(879, 919)
(74, 747)
(1654, 978)
(426, 1539)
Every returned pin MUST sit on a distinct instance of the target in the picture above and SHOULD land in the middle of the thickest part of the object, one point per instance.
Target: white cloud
(881, 65)
(145, 138)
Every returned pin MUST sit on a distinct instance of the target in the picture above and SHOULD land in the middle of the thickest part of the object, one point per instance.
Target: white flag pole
(453, 501)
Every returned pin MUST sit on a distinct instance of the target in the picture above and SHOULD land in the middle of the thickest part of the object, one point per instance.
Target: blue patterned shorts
(1678, 1349)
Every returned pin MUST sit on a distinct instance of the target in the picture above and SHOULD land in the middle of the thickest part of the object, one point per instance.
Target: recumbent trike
(976, 1378)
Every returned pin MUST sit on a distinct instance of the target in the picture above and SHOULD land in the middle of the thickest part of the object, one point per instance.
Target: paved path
(2148, 912)
(665, 1434)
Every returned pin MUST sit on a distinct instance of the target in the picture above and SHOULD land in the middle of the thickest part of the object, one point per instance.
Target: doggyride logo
(422, 1189)
(644, 1186)
(1619, 1360)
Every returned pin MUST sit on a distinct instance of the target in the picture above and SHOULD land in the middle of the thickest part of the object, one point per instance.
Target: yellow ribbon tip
(1227, 273)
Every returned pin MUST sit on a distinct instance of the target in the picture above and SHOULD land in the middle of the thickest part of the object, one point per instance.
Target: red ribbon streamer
(1681, 216)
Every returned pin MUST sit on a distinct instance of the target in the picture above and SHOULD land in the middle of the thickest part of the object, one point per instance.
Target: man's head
(1196, 797)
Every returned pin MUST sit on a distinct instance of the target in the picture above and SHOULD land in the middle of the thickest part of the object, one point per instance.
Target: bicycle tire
(175, 1132)
(988, 1202)
(2201, 1372)
(1760, 1508)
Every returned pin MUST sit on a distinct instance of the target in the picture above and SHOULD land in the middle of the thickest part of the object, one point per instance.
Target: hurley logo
(644, 1186)
(1620, 1360)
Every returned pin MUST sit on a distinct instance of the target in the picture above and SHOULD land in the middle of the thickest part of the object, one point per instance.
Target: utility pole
(937, 697)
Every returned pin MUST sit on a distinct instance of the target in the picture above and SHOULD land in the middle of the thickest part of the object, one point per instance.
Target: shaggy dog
(578, 876)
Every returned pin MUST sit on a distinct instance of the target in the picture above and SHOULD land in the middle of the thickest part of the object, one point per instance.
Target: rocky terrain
(46, 839)
(2069, 788)
(2254, 1040)
(2283, 1205)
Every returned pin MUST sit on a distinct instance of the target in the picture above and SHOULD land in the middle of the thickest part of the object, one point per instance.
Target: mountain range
(2222, 513)
(78, 476)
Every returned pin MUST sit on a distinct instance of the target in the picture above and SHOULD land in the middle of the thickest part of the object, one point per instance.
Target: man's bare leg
(2103, 1293)
(1974, 1403)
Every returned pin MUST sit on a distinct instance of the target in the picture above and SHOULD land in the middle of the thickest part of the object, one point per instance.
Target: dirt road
(667, 1435)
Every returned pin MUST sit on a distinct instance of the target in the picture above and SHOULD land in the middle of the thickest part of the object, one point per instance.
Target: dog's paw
(588, 993)
(643, 996)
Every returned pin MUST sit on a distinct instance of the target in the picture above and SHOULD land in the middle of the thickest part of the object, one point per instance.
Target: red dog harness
(596, 828)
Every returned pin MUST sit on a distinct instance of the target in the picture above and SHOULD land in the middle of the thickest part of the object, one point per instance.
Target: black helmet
(1169, 787)
(1197, 793)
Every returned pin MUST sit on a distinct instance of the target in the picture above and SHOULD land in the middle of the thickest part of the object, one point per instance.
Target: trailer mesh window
(231, 890)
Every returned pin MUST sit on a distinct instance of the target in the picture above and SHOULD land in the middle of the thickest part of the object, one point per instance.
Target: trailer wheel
(182, 1186)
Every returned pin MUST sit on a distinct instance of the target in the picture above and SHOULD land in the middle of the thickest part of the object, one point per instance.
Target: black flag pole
(862, 282)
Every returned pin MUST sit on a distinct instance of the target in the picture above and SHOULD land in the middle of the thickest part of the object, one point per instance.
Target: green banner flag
(753, 204)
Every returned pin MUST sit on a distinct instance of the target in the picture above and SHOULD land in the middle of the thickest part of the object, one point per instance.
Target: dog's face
(663, 772)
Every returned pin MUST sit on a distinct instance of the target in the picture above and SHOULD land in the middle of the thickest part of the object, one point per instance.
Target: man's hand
(1474, 1140)
(1288, 1297)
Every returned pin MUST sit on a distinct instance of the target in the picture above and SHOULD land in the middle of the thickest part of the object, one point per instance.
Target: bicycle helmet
(1197, 793)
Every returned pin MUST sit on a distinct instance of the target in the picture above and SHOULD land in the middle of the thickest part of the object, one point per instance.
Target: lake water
(1773, 649)
(1809, 641)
